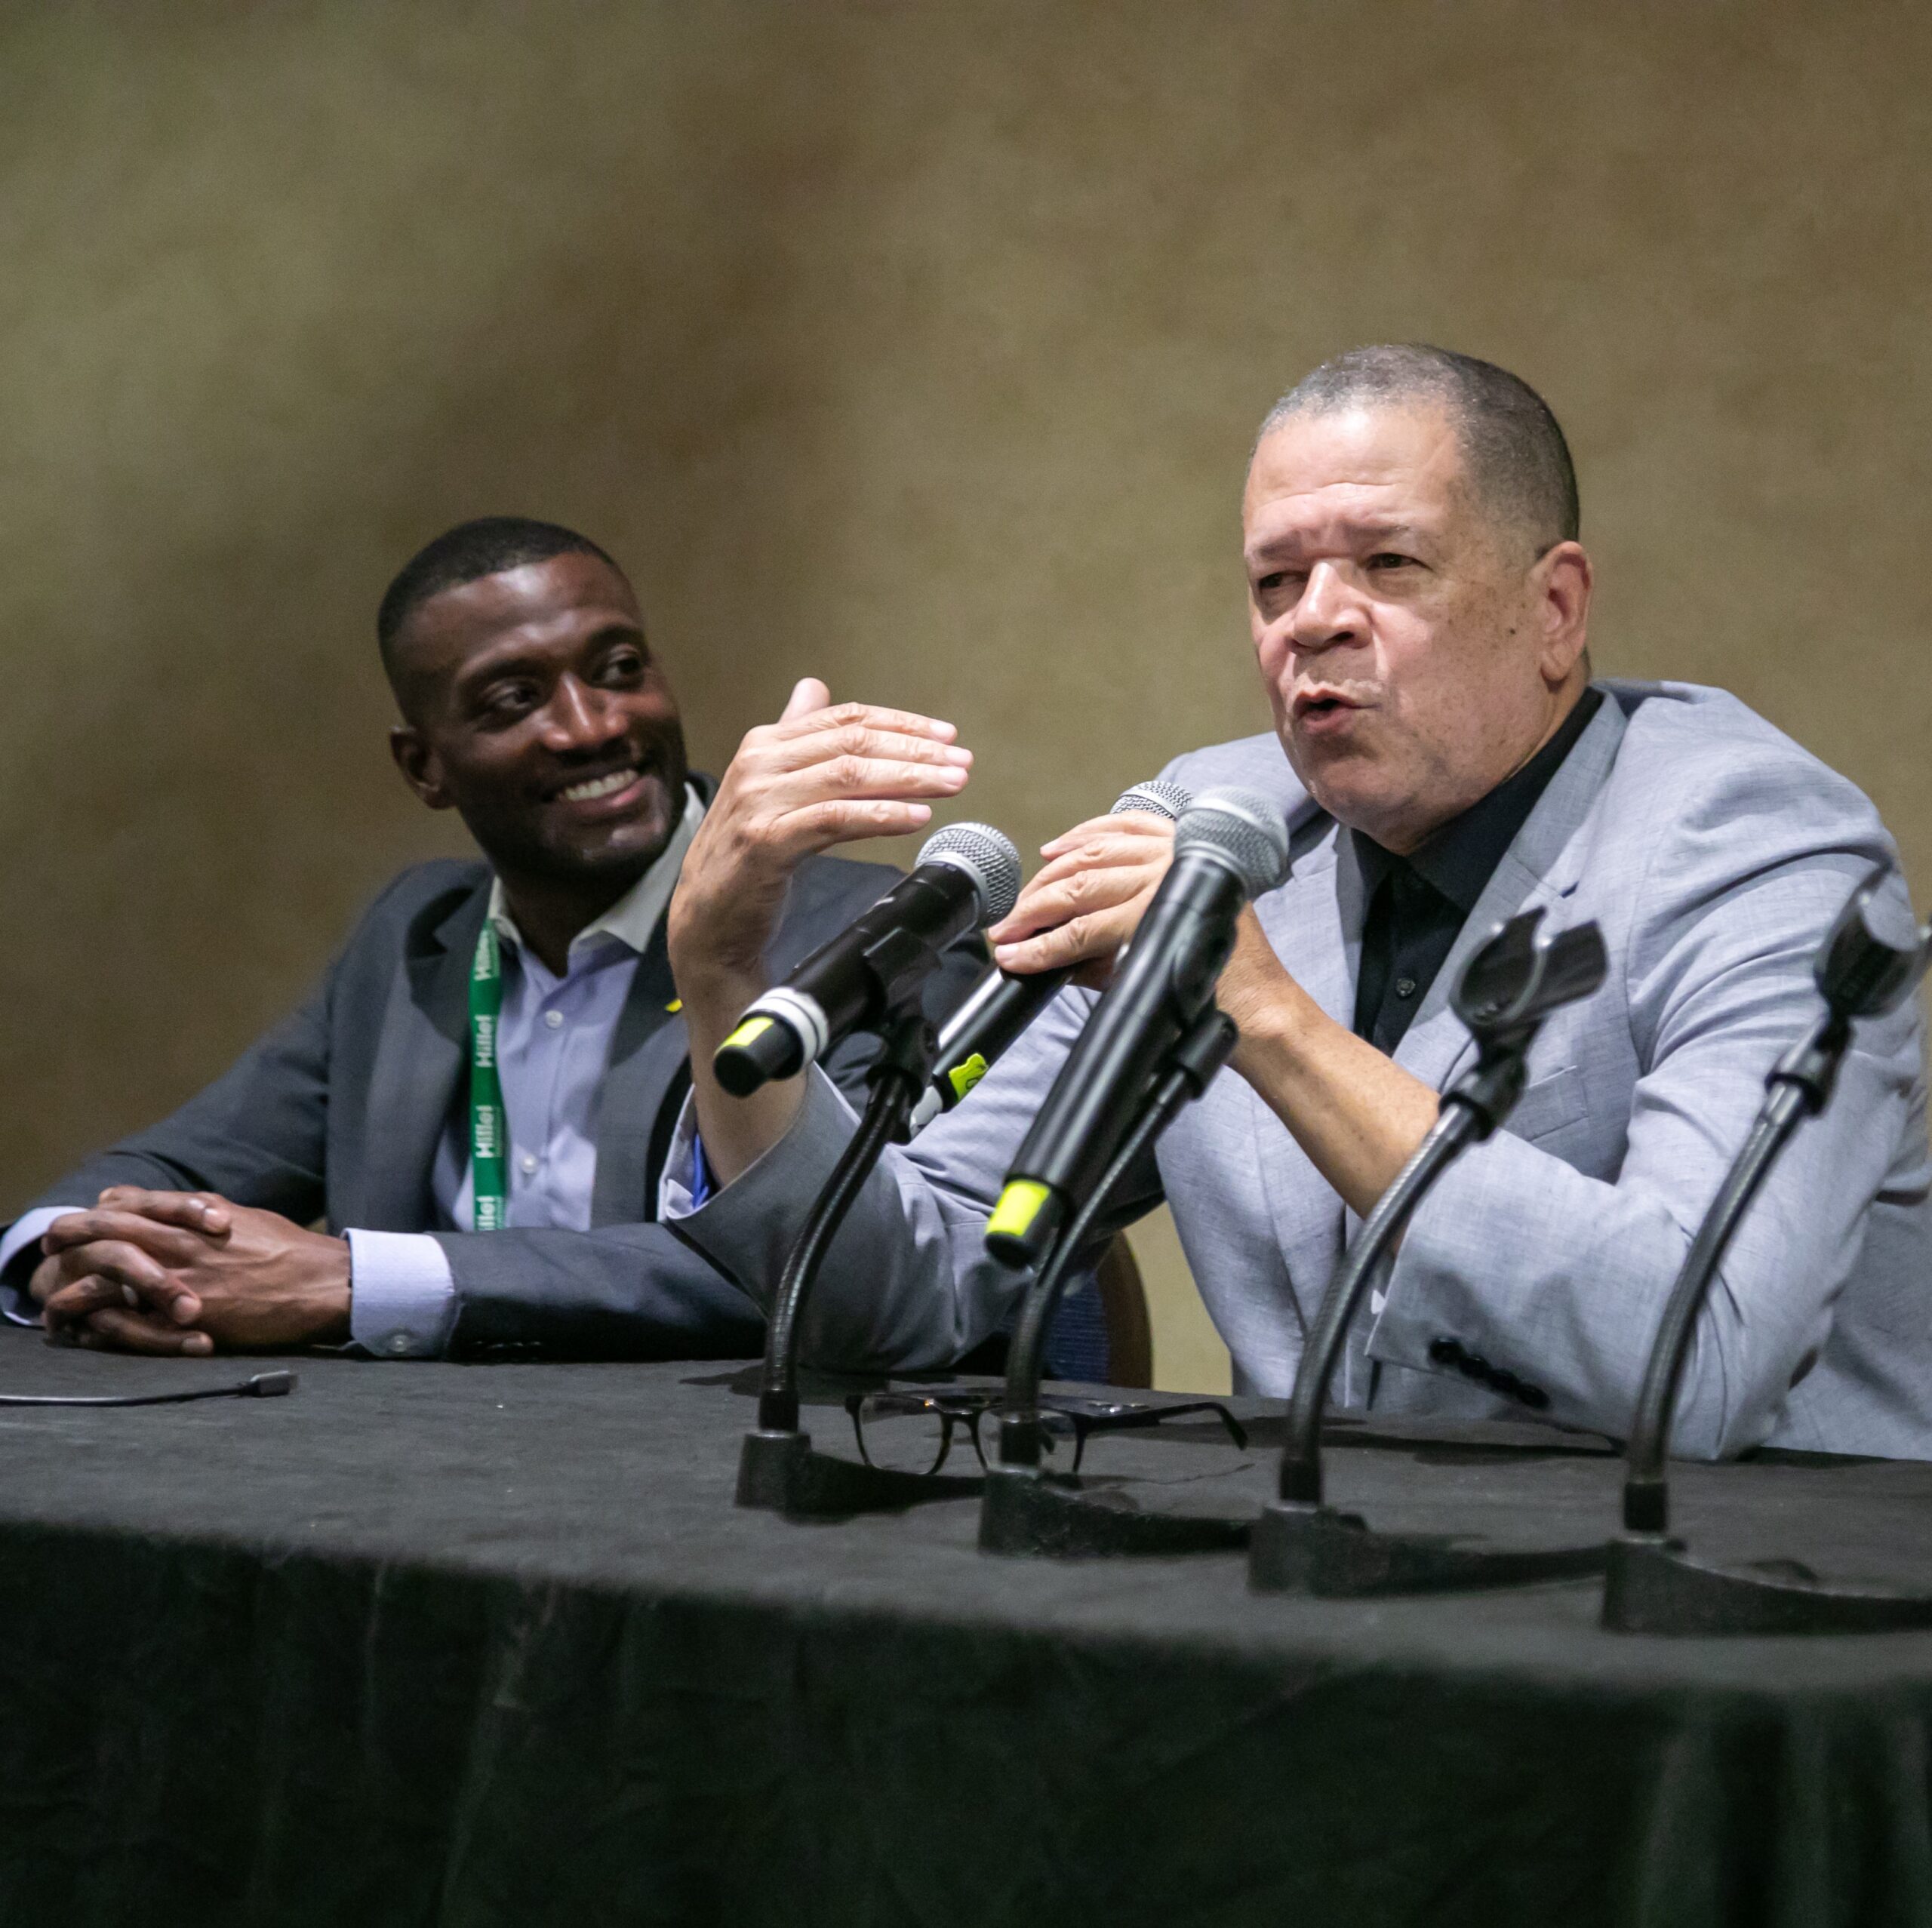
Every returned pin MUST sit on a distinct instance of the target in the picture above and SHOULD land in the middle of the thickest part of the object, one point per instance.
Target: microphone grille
(986, 856)
(1156, 797)
(1245, 830)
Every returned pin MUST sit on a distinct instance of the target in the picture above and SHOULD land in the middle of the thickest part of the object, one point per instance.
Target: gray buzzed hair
(1516, 456)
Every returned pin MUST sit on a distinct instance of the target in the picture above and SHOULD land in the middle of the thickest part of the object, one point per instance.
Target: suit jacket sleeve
(908, 1282)
(619, 1292)
(1562, 1277)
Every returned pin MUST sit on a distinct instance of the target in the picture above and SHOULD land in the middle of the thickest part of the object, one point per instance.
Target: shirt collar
(633, 917)
(1459, 860)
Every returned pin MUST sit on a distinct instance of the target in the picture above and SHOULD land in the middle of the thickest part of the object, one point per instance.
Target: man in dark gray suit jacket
(477, 1099)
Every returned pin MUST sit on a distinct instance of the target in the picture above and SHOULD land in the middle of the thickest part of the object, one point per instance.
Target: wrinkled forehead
(1339, 476)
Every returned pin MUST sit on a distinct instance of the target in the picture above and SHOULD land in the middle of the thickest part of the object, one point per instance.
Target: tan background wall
(916, 345)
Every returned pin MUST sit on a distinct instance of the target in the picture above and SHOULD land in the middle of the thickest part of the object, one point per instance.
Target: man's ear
(1564, 577)
(417, 762)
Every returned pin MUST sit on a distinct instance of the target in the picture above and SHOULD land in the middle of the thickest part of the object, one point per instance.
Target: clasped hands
(188, 1272)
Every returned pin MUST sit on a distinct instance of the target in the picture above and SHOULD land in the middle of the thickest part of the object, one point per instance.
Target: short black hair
(1518, 458)
(484, 546)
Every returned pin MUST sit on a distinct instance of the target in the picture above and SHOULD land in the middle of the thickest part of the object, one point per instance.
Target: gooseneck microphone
(1301, 1544)
(1507, 990)
(1874, 956)
(1003, 1004)
(968, 876)
(1229, 845)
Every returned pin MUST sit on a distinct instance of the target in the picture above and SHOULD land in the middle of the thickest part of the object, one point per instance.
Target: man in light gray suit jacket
(1418, 604)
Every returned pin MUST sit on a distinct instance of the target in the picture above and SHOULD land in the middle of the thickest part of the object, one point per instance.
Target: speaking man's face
(1404, 636)
(538, 712)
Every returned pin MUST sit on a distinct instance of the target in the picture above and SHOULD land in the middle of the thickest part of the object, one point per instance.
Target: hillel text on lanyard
(489, 1129)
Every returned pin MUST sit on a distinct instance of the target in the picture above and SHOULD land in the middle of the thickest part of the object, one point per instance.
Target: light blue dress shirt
(553, 1043)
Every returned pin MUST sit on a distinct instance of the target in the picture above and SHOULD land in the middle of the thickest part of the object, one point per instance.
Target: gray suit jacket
(337, 1113)
(1714, 853)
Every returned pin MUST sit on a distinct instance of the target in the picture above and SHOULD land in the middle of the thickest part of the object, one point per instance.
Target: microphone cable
(262, 1385)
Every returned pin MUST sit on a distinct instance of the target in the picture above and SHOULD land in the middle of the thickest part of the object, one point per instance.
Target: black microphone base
(1298, 1548)
(1654, 1586)
(778, 1472)
(1028, 1512)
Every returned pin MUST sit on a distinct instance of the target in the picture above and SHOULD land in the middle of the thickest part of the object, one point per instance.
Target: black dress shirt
(1418, 904)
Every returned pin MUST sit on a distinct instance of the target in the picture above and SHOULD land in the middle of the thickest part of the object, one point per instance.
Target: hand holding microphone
(1088, 898)
(967, 875)
(1004, 1003)
(1230, 846)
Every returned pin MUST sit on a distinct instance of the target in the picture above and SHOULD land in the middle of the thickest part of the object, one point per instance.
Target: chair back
(1124, 1306)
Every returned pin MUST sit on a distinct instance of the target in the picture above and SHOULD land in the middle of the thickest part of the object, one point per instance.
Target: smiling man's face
(537, 712)
(1415, 649)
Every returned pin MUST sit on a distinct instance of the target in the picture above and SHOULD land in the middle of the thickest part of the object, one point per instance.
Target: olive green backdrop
(917, 346)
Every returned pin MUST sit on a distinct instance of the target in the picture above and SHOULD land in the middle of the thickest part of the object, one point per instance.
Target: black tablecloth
(490, 1644)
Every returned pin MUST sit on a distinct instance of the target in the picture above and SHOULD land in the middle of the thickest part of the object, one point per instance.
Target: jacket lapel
(418, 1063)
(642, 1092)
(1540, 867)
(647, 1058)
(1313, 924)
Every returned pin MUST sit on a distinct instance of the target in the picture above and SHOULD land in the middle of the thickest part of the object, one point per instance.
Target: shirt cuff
(26, 1231)
(401, 1297)
(686, 1182)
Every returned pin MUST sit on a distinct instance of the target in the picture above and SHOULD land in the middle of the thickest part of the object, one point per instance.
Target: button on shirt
(553, 1044)
(1417, 904)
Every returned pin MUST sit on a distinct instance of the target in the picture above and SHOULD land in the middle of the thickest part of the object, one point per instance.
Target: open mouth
(1313, 706)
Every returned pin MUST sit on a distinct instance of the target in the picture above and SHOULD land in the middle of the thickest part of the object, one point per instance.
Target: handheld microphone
(1229, 845)
(968, 876)
(1003, 1005)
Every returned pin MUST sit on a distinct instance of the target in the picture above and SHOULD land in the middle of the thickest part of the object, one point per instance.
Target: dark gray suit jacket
(337, 1112)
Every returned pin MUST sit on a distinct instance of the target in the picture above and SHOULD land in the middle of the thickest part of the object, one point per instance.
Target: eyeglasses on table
(914, 1432)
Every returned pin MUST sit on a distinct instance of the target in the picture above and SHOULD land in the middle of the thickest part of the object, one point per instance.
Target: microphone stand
(1300, 1544)
(1026, 1509)
(1653, 1585)
(778, 1469)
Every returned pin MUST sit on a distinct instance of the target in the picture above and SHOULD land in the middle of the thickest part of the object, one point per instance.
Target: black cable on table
(263, 1385)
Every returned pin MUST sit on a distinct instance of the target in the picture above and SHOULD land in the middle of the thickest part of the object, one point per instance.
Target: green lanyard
(488, 1127)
